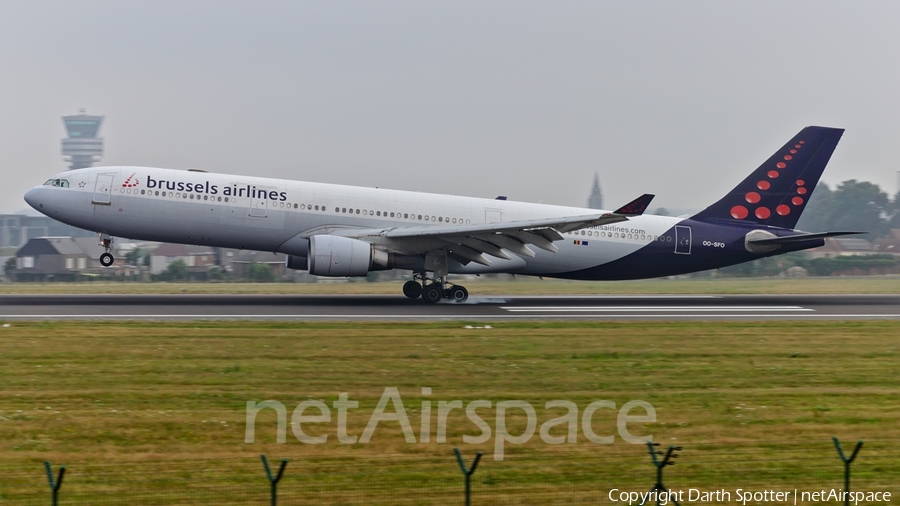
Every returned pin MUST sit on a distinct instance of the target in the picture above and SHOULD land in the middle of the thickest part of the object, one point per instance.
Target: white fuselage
(279, 215)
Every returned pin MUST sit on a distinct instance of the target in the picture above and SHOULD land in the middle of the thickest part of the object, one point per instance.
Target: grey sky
(524, 99)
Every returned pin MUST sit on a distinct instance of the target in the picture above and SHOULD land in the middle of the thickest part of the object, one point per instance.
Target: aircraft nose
(32, 196)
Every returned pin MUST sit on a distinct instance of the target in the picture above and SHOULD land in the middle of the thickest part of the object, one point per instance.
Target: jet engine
(296, 263)
(341, 256)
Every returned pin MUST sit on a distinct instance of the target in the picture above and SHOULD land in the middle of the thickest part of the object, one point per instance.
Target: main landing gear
(106, 259)
(432, 291)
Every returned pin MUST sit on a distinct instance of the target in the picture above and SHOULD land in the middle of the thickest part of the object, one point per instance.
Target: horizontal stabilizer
(636, 207)
(799, 238)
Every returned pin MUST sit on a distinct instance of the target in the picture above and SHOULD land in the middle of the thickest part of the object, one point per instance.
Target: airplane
(342, 231)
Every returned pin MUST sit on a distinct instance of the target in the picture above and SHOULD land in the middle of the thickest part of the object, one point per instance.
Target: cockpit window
(62, 183)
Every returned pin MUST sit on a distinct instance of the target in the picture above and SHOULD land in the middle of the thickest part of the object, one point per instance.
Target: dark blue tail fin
(777, 192)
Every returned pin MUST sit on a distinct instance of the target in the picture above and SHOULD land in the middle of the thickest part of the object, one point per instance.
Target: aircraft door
(493, 215)
(258, 207)
(103, 189)
(682, 240)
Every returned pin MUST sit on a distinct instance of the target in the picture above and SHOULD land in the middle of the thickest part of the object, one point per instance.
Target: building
(239, 262)
(595, 199)
(58, 258)
(890, 244)
(198, 259)
(17, 229)
(842, 246)
(82, 148)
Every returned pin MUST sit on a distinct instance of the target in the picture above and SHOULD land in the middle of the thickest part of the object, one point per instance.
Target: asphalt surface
(398, 308)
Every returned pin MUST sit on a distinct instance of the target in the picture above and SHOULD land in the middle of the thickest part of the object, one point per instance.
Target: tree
(861, 205)
(817, 215)
(262, 273)
(132, 257)
(177, 271)
(9, 267)
(895, 212)
(852, 206)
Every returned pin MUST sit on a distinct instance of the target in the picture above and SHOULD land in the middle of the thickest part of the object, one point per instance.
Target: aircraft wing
(469, 243)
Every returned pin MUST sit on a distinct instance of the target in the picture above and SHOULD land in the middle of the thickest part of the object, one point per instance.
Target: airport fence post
(273, 481)
(54, 484)
(847, 461)
(467, 472)
(660, 465)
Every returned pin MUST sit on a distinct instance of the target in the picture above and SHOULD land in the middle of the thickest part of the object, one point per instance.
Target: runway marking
(337, 317)
(614, 297)
(644, 309)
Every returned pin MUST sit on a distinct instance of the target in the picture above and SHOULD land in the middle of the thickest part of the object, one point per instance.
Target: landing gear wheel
(106, 259)
(433, 293)
(458, 294)
(412, 289)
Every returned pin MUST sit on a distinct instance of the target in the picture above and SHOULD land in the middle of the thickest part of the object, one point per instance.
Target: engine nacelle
(296, 263)
(341, 256)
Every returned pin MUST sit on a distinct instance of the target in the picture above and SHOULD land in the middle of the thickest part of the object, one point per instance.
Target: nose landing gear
(106, 259)
(432, 291)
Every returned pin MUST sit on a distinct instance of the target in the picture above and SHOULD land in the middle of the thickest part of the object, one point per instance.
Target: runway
(477, 308)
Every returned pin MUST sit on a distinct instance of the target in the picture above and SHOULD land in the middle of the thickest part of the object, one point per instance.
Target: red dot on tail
(773, 174)
(781, 165)
(752, 197)
(783, 210)
(763, 212)
(800, 182)
(793, 151)
(802, 142)
(797, 201)
(797, 146)
(801, 191)
(739, 212)
(788, 157)
(763, 185)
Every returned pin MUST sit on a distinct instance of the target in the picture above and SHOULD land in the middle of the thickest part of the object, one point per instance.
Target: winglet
(636, 207)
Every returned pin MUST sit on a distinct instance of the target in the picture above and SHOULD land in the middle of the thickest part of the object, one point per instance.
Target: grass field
(504, 285)
(149, 405)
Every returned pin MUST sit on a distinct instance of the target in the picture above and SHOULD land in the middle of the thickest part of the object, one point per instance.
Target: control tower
(82, 148)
